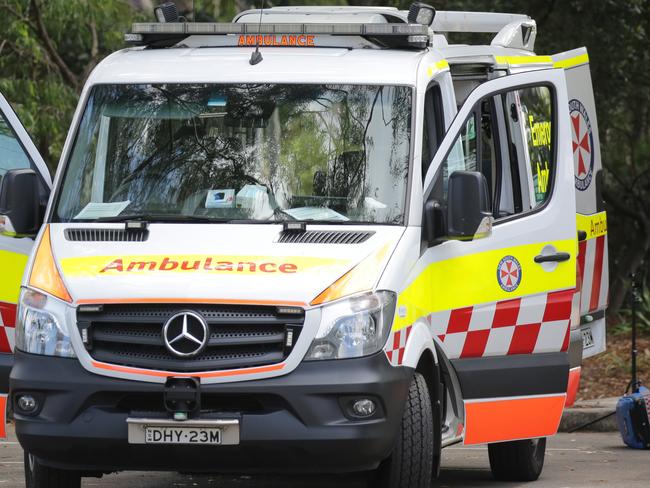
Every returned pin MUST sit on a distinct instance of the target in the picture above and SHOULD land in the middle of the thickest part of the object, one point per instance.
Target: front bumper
(295, 423)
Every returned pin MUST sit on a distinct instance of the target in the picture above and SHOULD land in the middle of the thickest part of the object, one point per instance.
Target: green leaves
(45, 107)
(47, 49)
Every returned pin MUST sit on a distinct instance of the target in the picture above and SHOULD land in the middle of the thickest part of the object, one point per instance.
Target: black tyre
(517, 460)
(39, 476)
(411, 463)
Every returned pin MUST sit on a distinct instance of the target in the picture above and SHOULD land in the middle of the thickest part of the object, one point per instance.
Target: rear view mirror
(19, 203)
(469, 214)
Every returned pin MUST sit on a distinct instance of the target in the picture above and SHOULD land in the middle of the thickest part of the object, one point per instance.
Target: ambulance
(315, 239)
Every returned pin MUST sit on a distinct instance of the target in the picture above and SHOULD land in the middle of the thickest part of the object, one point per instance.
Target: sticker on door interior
(583, 145)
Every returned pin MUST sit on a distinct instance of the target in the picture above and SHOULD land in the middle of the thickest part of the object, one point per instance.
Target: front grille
(239, 336)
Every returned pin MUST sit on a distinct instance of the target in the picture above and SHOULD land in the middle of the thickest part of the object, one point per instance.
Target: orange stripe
(511, 419)
(166, 374)
(574, 384)
(224, 301)
(3, 419)
(45, 275)
(361, 277)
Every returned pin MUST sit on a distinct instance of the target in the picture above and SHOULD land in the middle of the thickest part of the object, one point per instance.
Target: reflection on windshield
(253, 152)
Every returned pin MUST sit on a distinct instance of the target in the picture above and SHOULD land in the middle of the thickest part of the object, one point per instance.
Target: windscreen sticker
(206, 264)
(220, 198)
(97, 210)
(583, 144)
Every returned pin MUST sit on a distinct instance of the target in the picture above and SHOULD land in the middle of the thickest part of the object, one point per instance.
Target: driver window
(462, 157)
(507, 138)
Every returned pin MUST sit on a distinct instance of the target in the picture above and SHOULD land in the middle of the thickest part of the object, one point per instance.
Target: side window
(490, 163)
(434, 129)
(508, 138)
(536, 107)
(12, 154)
(475, 149)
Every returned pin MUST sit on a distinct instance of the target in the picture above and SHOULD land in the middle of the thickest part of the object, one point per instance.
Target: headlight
(41, 325)
(354, 327)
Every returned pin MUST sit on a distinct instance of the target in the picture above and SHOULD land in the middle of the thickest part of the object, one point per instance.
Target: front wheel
(39, 476)
(517, 460)
(411, 463)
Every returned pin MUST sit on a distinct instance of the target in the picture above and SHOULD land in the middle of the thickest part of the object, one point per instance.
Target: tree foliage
(48, 48)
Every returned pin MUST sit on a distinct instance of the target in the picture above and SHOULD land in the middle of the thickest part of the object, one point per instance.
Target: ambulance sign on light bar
(300, 40)
(293, 35)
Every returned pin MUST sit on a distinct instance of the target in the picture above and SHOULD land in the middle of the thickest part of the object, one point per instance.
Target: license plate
(188, 432)
(587, 338)
(182, 435)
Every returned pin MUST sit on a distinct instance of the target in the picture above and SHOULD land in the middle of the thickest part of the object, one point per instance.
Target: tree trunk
(630, 263)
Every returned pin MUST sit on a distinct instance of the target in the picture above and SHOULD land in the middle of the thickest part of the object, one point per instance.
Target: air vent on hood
(324, 237)
(107, 235)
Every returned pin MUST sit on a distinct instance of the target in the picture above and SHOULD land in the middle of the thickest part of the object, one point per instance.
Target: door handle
(558, 257)
(582, 235)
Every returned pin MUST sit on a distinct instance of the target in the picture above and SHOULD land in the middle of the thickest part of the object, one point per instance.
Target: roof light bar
(206, 28)
(170, 33)
(202, 28)
(159, 28)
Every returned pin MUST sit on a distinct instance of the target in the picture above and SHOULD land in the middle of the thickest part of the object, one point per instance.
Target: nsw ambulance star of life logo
(583, 145)
(509, 273)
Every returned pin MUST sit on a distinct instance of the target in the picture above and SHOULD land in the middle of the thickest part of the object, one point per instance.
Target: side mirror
(434, 222)
(19, 203)
(469, 215)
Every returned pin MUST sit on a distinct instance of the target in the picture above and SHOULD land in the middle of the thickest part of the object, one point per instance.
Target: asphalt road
(572, 460)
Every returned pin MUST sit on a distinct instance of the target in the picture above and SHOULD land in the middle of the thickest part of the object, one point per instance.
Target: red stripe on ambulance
(593, 274)
(526, 325)
(7, 324)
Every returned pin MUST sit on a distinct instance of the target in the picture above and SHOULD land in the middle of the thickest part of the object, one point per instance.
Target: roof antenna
(256, 57)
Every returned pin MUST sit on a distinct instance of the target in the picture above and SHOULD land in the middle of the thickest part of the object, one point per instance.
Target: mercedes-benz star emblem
(186, 334)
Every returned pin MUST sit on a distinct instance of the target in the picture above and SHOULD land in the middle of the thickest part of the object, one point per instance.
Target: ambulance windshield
(262, 153)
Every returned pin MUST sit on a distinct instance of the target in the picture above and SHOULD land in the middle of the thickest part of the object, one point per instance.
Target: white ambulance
(311, 240)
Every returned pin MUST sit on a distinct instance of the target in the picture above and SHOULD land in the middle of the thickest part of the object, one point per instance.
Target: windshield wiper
(279, 212)
(161, 218)
(335, 222)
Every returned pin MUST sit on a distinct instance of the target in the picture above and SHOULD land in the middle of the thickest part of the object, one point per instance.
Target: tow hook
(182, 397)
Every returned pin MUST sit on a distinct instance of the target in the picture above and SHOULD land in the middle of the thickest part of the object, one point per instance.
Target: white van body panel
(103, 271)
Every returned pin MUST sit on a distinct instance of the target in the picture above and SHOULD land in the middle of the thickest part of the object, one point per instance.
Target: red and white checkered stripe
(7, 324)
(593, 273)
(527, 325)
(396, 345)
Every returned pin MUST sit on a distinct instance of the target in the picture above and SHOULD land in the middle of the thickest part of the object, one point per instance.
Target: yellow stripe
(442, 64)
(515, 60)
(571, 62)
(594, 225)
(89, 266)
(471, 280)
(360, 278)
(12, 265)
(439, 66)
